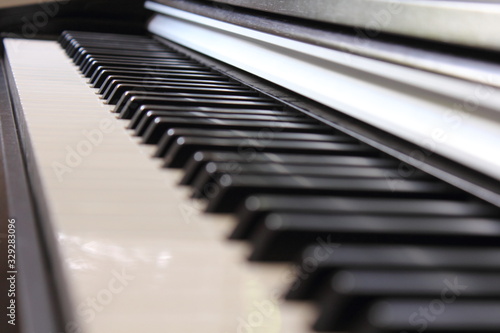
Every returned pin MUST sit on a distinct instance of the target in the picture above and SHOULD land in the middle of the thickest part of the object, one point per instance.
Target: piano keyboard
(329, 223)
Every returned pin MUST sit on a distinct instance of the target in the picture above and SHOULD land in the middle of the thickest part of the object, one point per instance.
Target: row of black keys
(380, 247)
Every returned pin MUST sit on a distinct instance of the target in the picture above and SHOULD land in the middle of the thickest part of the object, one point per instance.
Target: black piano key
(161, 125)
(143, 61)
(80, 48)
(349, 293)
(69, 35)
(256, 207)
(185, 147)
(79, 51)
(112, 81)
(319, 261)
(131, 101)
(129, 50)
(261, 136)
(416, 315)
(129, 53)
(72, 42)
(233, 188)
(130, 42)
(118, 43)
(208, 179)
(171, 111)
(144, 109)
(77, 48)
(214, 170)
(101, 36)
(282, 236)
(150, 116)
(96, 51)
(102, 73)
(199, 160)
(91, 65)
(83, 57)
(98, 78)
(94, 64)
(148, 60)
(85, 36)
(158, 96)
(93, 37)
(88, 38)
(120, 89)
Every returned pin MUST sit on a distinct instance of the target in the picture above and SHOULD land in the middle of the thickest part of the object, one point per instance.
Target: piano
(250, 166)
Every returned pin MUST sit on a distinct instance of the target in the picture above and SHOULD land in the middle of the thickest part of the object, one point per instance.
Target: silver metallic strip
(459, 65)
(454, 118)
(474, 23)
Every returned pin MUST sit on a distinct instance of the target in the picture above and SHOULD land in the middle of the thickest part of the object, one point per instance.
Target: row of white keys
(137, 254)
